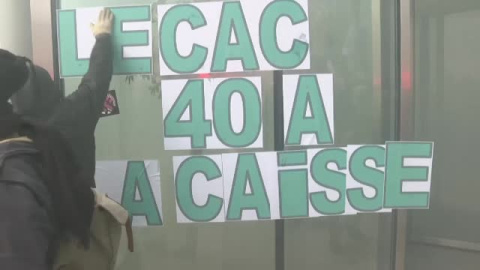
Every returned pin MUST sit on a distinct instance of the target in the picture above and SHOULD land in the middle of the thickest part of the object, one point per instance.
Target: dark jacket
(27, 230)
(77, 115)
(26, 215)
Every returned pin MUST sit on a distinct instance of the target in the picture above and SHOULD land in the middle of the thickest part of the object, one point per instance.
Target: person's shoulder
(19, 166)
(17, 151)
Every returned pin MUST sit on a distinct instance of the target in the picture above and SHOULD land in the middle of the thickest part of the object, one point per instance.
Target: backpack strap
(20, 154)
(118, 213)
(17, 139)
(6, 149)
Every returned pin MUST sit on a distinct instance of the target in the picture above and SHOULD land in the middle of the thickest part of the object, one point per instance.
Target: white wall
(15, 27)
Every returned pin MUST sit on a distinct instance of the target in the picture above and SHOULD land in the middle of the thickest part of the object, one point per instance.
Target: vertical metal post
(59, 83)
(42, 34)
(44, 37)
(406, 114)
(279, 146)
(407, 108)
(386, 52)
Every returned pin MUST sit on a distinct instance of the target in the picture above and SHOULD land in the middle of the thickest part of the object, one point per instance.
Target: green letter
(268, 34)
(308, 95)
(396, 173)
(197, 128)
(168, 39)
(368, 176)
(70, 65)
(248, 172)
(293, 185)
(136, 177)
(330, 179)
(252, 112)
(233, 22)
(121, 64)
(183, 181)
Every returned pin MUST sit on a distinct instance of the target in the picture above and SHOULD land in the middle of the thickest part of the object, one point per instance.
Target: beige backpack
(109, 218)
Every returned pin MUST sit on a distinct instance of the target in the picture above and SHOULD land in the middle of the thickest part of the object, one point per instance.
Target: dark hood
(13, 74)
(38, 97)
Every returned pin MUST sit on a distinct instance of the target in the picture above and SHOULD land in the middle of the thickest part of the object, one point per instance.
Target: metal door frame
(44, 38)
(405, 113)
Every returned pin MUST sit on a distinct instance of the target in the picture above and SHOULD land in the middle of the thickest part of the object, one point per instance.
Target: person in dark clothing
(43, 194)
(76, 115)
(34, 101)
(45, 190)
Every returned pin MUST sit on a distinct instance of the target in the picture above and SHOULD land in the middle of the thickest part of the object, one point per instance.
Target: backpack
(109, 218)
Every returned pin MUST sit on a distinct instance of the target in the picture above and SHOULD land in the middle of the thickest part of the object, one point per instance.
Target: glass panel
(446, 112)
(137, 134)
(354, 39)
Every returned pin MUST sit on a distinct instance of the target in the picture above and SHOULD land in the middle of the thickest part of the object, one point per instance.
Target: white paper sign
(134, 184)
(197, 26)
(358, 174)
(213, 113)
(131, 40)
(259, 173)
(316, 185)
(86, 40)
(304, 183)
(199, 199)
(308, 109)
(409, 174)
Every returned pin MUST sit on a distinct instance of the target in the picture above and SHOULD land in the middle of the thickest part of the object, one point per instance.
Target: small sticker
(110, 106)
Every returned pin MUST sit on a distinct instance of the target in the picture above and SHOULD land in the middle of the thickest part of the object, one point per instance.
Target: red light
(407, 80)
(205, 76)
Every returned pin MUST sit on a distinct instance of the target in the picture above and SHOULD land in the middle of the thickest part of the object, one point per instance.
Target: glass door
(446, 108)
(353, 39)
